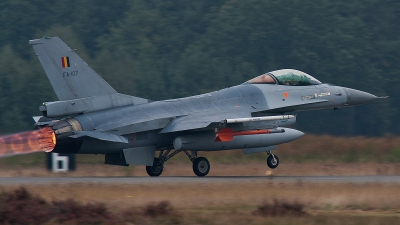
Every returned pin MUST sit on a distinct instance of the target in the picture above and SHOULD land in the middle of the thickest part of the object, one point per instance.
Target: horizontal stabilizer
(41, 121)
(101, 136)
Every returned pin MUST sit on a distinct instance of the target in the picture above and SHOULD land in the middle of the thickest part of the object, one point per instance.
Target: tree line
(160, 49)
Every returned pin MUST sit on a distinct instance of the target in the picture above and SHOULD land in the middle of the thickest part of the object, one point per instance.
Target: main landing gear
(201, 166)
(272, 160)
(156, 169)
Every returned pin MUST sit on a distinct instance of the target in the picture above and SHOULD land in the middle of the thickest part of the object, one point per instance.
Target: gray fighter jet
(93, 118)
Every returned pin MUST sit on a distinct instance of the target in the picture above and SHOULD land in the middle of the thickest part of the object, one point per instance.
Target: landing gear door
(140, 156)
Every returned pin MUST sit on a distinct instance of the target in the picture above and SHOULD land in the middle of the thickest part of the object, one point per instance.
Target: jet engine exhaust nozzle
(47, 139)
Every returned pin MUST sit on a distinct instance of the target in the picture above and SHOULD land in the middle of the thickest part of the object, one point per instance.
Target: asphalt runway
(197, 180)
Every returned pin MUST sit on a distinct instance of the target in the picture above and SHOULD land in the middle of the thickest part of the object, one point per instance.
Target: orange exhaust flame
(27, 142)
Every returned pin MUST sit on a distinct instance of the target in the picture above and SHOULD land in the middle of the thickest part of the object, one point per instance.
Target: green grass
(393, 156)
(27, 160)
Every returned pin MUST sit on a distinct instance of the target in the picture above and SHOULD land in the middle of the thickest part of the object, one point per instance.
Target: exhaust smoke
(28, 142)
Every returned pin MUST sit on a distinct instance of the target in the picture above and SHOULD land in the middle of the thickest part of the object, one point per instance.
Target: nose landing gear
(272, 160)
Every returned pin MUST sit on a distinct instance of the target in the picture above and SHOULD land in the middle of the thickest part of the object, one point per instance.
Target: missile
(263, 118)
(227, 134)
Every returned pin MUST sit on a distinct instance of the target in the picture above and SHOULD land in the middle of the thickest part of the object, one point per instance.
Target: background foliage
(161, 49)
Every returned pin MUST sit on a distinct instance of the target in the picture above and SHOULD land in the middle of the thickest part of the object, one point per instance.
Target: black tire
(156, 169)
(271, 162)
(201, 166)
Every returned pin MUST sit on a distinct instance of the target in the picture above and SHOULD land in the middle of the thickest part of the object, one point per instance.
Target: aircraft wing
(198, 121)
(182, 123)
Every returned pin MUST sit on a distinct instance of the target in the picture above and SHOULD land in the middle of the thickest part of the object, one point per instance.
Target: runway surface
(197, 180)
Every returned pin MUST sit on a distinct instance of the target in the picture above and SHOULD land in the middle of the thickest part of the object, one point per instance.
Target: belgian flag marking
(65, 62)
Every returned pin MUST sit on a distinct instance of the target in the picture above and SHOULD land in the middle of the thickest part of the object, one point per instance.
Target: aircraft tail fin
(70, 76)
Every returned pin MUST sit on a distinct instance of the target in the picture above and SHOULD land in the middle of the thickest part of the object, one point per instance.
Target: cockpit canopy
(288, 77)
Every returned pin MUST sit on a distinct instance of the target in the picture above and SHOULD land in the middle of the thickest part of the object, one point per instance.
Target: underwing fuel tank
(205, 141)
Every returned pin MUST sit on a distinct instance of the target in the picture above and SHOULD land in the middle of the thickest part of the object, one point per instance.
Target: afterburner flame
(27, 142)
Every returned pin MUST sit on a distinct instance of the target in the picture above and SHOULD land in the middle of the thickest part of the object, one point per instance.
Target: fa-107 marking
(93, 118)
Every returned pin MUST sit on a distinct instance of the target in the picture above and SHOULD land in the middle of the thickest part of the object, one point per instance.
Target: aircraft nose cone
(356, 97)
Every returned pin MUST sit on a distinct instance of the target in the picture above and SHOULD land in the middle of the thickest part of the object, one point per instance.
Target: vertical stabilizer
(70, 76)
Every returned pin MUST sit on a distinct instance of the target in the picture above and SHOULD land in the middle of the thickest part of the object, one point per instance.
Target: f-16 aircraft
(91, 117)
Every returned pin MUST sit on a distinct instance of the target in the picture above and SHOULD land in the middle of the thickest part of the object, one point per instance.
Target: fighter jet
(91, 117)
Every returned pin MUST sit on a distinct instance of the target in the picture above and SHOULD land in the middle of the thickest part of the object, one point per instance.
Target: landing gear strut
(201, 166)
(272, 160)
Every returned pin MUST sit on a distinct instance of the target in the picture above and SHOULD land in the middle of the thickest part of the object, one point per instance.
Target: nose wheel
(272, 161)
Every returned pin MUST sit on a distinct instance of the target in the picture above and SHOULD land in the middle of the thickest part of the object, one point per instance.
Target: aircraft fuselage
(254, 99)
